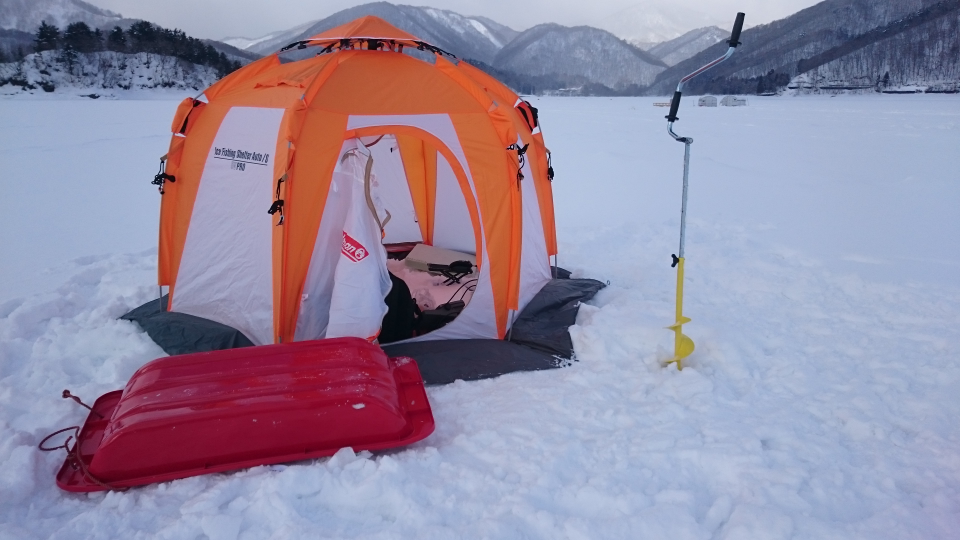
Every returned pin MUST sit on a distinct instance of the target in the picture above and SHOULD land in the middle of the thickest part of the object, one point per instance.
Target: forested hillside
(846, 41)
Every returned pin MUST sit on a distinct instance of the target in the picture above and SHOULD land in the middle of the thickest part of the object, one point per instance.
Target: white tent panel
(226, 273)
(394, 191)
(534, 261)
(452, 226)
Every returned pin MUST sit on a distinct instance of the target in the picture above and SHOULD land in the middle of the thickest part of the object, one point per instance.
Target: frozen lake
(822, 279)
(865, 185)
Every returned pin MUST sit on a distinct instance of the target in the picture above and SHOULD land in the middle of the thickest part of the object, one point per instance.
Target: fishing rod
(682, 344)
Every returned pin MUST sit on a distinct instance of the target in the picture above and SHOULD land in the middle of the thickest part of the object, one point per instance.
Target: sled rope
(68, 395)
(73, 453)
(73, 456)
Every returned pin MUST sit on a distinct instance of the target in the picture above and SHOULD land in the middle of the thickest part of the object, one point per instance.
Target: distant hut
(707, 101)
(733, 101)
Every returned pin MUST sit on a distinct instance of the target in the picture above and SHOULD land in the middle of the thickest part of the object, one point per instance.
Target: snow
(458, 23)
(822, 280)
(480, 27)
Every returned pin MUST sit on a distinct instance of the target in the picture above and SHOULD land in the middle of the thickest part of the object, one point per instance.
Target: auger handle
(675, 104)
(674, 107)
(737, 27)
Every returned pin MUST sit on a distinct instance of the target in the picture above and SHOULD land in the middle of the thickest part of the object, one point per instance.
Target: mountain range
(836, 44)
(545, 57)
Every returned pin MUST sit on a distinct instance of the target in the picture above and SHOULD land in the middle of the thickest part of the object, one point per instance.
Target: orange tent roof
(365, 27)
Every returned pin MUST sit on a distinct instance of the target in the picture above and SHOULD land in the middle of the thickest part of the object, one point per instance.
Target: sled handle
(737, 27)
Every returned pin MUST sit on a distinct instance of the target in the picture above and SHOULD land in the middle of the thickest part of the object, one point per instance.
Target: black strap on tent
(522, 159)
(162, 176)
(529, 113)
(424, 46)
(183, 128)
(549, 166)
(297, 44)
(277, 205)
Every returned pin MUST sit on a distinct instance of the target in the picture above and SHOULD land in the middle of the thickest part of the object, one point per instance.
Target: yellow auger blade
(682, 345)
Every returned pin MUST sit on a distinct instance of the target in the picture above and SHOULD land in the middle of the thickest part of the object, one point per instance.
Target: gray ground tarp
(540, 338)
(179, 333)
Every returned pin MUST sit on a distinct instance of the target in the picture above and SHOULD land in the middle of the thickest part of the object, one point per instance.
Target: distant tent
(707, 101)
(733, 101)
(355, 150)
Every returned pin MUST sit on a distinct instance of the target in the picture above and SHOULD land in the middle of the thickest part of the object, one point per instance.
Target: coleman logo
(352, 249)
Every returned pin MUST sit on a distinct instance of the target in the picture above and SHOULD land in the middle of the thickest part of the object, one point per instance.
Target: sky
(216, 19)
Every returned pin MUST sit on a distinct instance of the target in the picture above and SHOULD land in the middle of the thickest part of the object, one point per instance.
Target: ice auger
(683, 345)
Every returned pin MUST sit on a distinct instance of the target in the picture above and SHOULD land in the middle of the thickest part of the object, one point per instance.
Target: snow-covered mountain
(578, 56)
(256, 44)
(26, 15)
(477, 38)
(107, 70)
(653, 22)
(679, 49)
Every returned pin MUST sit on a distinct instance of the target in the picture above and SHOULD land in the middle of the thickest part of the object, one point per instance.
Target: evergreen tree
(142, 37)
(68, 55)
(81, 38)
(117, 40)
(48, 38)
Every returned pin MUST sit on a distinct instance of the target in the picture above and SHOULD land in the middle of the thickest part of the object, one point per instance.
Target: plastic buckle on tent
(521, 159)
(162, 176)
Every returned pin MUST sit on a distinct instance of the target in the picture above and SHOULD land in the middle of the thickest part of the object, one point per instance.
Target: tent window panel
(453, 228)
(394, 192)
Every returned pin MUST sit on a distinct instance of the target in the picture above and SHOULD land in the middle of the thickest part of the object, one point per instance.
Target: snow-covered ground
(823, 266)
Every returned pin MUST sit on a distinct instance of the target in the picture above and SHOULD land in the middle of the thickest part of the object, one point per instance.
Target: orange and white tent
(458, 159)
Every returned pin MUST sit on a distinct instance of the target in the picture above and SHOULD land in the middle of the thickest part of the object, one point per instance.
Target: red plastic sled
(209, 412)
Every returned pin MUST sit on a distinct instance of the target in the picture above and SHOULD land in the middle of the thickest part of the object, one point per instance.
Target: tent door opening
(416, 187)
(390, 196)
